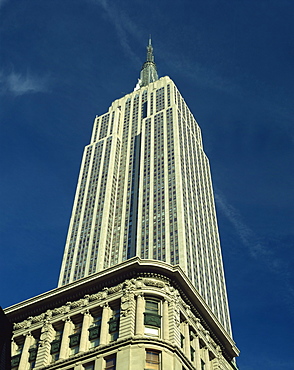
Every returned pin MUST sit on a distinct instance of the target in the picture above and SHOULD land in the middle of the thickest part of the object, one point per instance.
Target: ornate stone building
(142, 314)
(141, 283)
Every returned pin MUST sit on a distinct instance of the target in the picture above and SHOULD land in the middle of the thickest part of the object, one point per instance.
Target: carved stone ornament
(22, 325)
(156, 283)
(58, 311)
(133, 283)
(18, 325)
(94, 297)
(105, 292)
(38, 318)
(126, 301)
(115, 289)
(76, 304)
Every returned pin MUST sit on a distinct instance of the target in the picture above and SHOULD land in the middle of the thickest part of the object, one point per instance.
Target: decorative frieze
(130, 322)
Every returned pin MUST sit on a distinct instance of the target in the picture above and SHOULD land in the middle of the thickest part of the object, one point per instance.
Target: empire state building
(145, 190)
(142, 283)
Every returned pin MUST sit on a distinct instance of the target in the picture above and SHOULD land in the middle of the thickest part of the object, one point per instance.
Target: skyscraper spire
(148, 72)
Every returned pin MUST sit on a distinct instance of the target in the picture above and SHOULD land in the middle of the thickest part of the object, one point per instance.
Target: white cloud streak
(20, 84)
(124, 26)
(248, 239)
(2, 2)
(257, 250)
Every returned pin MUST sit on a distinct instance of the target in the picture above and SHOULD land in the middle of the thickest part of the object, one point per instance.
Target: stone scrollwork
(131, 284)
(155, 283)
(207, 335)
(189, 312)
(94, 297)
(126, 302)
(115, 289)
(46, 333)
(57, 311)
(38, 318)
(76, 304)
(105, 292)
(22, 325)
(18, 325)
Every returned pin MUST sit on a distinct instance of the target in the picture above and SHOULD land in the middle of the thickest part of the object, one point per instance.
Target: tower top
(148, 72)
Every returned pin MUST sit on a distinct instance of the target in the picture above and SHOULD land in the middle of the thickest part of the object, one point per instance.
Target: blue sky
(63, 62)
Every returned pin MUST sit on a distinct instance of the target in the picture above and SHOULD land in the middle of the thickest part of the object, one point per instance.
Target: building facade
(141, 283)
(145, 190)
(142, 314)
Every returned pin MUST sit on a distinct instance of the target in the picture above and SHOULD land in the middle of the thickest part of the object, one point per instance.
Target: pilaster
(197, 352)
(187, 349)
(127, 315)
(206, 358)
(104, 324)
(139, 315)
(165, 320)
(23, 363)
(84, 332)
(43, 354)
(64, 347)
(13, 348)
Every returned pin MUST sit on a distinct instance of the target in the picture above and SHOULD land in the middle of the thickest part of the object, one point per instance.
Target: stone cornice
(114, 276)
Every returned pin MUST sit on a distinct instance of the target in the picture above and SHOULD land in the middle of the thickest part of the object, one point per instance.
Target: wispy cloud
(128, 29)
(20, 84)
(199, 73)
(2, 2)
(258, 250)
(124, 26)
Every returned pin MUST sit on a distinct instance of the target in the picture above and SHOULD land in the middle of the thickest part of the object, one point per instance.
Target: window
(114, 322)
(55, 344)
(110, 362)
(16, 358)
(152, 360)
(192, 350)
(74, 339)
(33, 353)
(152, 319)
(94, 331)
(182, 341)
(202, 365)
(151, 306)
(89, 366)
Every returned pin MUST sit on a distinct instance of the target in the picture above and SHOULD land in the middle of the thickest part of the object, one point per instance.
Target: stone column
(24, 358)
(165, 320)
(104, 325)
(84, 332)
(43, 354)
(197, 353)
(139, 329)
(64, 347)
(187, 341)
(13, 348)
(206, 358)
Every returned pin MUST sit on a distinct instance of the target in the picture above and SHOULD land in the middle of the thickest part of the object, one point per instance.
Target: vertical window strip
(119, 220)
(104, 123)
(77, 215)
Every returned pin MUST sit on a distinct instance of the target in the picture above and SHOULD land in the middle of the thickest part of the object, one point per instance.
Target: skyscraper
(141, 284)
(145, 190)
